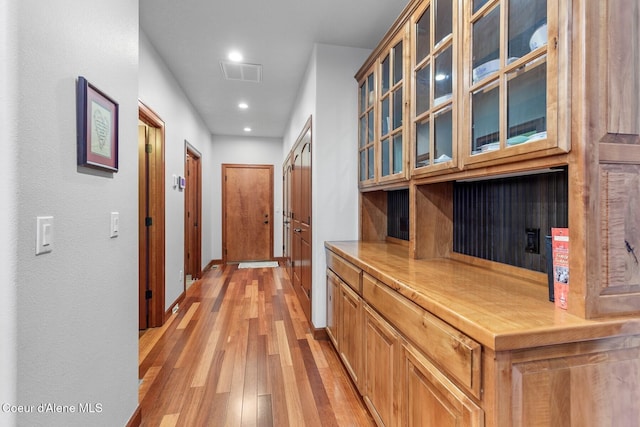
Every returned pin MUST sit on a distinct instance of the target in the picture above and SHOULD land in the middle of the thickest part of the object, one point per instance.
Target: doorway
(192, 213)
(247, 210)
(151, 218)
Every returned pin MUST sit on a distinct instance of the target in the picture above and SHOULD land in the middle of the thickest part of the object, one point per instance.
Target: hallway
(239, 352)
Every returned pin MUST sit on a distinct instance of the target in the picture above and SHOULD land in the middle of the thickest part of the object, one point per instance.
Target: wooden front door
(192, 213)
(301, 253)
(247, 200)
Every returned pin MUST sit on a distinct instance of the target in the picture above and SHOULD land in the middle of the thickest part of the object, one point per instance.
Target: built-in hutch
(482, 125)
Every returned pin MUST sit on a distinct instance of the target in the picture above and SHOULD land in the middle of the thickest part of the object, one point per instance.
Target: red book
(560, 249)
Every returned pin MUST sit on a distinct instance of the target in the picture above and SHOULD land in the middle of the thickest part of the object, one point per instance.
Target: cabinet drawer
(455, 353)
(348, 272)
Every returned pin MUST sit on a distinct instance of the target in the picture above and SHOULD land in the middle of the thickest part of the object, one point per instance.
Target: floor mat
(260, 264)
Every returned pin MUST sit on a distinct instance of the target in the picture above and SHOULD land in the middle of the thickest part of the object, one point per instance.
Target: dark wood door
(192, 214)
(247, 198)
(301, 220)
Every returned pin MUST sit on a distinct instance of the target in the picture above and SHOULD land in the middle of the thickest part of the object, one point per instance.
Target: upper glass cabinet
(511, 67)
(433, 64)
(392, 110)
(382, 107)
(366, 131)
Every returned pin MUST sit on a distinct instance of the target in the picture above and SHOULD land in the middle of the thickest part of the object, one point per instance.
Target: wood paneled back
(491, 217)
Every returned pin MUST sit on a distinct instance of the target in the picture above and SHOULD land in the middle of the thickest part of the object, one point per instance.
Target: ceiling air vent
(242, 72)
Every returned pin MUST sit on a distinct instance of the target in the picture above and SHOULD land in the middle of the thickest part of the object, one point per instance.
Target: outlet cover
(533, 241)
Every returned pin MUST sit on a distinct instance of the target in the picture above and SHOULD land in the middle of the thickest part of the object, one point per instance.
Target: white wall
(77, 339)
(329, 93)
(245, 150)
(8, 206)
(305, 106)
(159, 90)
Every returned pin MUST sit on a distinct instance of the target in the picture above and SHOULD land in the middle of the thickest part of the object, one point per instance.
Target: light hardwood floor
(239, 353)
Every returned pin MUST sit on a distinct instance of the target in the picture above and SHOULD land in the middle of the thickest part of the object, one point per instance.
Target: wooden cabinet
(344, 314)
(537, 86)
(383, 112)
(381, 369)
(431, 399)
(448, 343)
(487, 82)
(372, 327)
(515, 80)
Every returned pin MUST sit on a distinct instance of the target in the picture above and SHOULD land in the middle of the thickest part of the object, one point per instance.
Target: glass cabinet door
(508, 72)
(391, 110)
(366, 129)
(433, 61)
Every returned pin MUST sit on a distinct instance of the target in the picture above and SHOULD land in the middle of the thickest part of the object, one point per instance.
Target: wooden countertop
(502, 312)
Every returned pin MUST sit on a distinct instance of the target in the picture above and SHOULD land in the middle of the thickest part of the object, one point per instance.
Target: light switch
(44, 234)
(115, 224)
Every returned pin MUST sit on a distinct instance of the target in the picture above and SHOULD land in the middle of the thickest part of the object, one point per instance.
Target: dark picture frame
(97, 122)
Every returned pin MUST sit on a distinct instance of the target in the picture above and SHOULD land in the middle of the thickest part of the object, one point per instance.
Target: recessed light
(243, 106)
(235, 56)
(247, 129)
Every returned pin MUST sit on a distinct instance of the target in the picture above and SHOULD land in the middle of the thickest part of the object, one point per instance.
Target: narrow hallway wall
(76, 307)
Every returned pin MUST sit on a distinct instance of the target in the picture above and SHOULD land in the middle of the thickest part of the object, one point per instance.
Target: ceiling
(195, 36)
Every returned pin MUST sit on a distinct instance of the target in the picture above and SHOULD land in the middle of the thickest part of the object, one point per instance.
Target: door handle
(266, 222)
(297, 230)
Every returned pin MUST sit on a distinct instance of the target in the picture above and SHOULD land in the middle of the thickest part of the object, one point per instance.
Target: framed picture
(97, 121)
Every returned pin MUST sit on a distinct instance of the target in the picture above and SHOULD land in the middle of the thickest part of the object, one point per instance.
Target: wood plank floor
(240, 353)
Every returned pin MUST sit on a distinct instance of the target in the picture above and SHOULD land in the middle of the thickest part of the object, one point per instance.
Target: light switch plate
(115, 224)
(44, 234)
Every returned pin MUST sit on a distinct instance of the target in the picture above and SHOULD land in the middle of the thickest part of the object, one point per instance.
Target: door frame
(193, 152)
(224, 168)
(156, 243)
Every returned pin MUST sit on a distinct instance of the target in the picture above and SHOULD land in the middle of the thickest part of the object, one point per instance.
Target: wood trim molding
(619, 153)
(169, 312)
(136, 418)
(320, 334)
(191, 151)
(397, 26)
(157, 210)
(211, 263)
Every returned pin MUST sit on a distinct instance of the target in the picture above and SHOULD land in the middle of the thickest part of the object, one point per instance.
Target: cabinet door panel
(380, 360)
(333, 289)
(350, 331)
(430, 399)
(559, 388)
